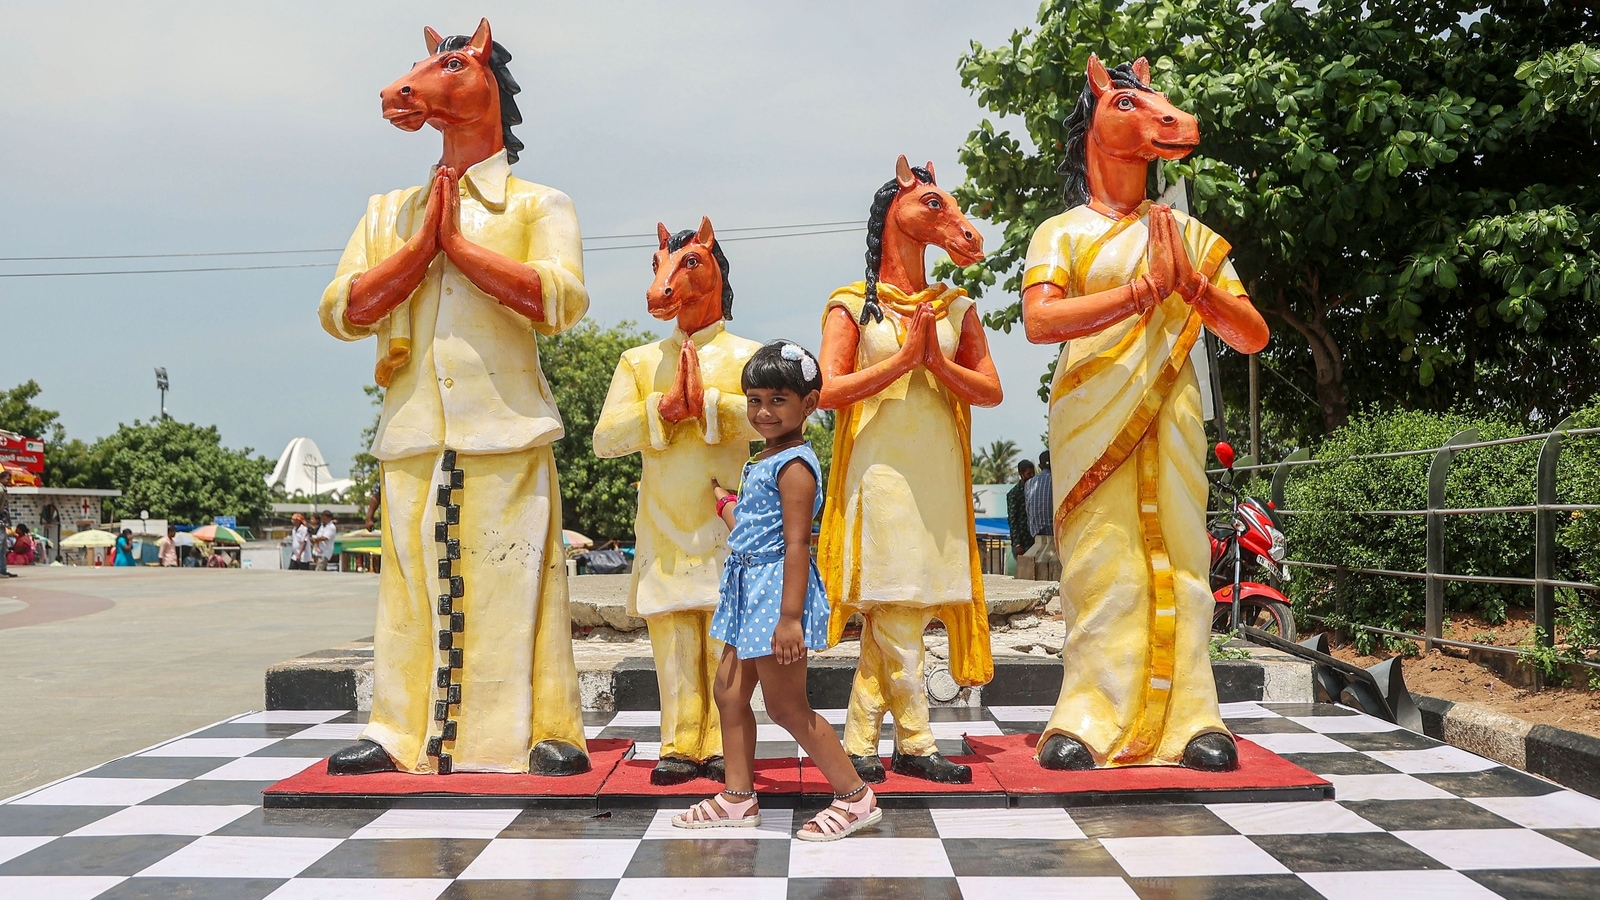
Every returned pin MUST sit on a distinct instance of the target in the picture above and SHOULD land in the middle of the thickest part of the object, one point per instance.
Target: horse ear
(1141, 68)
(481, 42)
(433, 39)
(1099, 78)
(663, 234)
(929, 167)
(903, 173)
(705, 237)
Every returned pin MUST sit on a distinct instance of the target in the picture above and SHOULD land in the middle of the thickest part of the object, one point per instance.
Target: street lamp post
(161, 385)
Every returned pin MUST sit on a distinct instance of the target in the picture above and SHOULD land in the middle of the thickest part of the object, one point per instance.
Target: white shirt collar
(487, 179)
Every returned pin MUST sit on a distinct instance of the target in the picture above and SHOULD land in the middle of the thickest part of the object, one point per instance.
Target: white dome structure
(302, 472)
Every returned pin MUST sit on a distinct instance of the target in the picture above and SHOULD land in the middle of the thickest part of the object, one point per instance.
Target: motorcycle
(1247, 544)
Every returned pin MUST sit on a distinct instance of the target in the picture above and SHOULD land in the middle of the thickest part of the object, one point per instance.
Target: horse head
(691, 279)
(924, 213)
(463, 89)
(1133, 122)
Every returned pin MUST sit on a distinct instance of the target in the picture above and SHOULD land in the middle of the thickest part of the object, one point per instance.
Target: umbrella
(574, 539)
(16, 476)
(213, 534)
(184, 539)
(92, 537)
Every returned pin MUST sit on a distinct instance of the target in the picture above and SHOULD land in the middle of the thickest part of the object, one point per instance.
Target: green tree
(996, 463)
(600, 497)
(18, 414)
(819, 431)
(364, 466)
(181, 471)
(1410, 188)
(68, 463)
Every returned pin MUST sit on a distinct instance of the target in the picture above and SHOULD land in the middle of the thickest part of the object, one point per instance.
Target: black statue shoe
(870, 768)
(1214, 752)
(1067, 754)
(557, 758)
(714, 769)
(674, 770)
(932, 767)
(360, 758)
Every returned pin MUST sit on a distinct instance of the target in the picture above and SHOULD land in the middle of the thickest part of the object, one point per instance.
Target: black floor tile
(1030, 858)
(1230, 887)
(620, 824)
(1540, 884)
(158, 767)
(1399, 739)
(1361, 852)
(51, 821)
(722, 858)
(777, 750)
(316, 823)
(595, 889)
(873, 889)
(1351, 763)
(397, 858)
(1583, 840)
(1309, 709)
(213, 793)
(251, 730)
(1425, 815)
(632, 733)
(121, 855)
(192, 889)
(1148, 821)
(353, 717)
(1264, 726)
(307, 749)
(896, 823)
(1023, 727)
(958, 714)
(1497, 782)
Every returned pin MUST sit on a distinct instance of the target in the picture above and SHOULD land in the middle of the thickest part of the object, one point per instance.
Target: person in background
(1017, 510)
(167, 549)
(22, 548)
(299, 544)
(375, 504)
(5, 524)
(124, 548)
(322, 542)
(1039, 497)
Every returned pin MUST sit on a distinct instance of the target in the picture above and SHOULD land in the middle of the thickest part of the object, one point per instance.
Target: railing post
(1544, 536)
(1280, 475)
(1438, 476)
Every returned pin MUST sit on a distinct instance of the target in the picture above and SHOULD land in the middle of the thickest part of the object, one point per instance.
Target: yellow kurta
(681, 541)
(1128, 447)
(478, 678)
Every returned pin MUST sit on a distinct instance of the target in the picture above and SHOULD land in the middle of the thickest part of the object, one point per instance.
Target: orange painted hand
(449, 192)
(1164, 253)
(686, 399)
(914, 352)
(789, 641)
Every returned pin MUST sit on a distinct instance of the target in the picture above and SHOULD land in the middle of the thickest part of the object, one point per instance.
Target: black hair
(1025, 463)
(1044, 459)
(876, 220)
(1076, 164)
(770, 370)
(509, 114)
(677, 242)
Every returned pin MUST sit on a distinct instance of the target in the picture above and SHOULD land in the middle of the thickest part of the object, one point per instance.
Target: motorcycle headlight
(1280, 547)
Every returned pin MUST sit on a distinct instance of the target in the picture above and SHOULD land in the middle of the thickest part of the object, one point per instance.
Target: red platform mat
(631, 778)
(1010, 760)
(604, 755)
(983, 781)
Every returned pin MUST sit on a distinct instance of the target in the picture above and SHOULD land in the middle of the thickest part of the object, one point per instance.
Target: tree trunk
(1326, 355)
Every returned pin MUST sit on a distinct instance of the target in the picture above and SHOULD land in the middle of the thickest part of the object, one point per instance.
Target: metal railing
(1544, 509)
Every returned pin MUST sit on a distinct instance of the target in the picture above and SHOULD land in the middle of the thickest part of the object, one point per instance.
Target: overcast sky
(202, 127)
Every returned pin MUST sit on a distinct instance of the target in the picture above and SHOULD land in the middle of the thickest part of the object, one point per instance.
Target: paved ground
(99, 663)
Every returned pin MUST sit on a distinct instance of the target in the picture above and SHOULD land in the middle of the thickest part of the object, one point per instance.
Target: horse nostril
(968, 234)
(405, 89)
(1168, 120)
(666, 292)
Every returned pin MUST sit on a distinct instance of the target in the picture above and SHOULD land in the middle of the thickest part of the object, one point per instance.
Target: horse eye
(1125, 103)
(453, 64)
(935, 203)
(655, 264)
(691, 263)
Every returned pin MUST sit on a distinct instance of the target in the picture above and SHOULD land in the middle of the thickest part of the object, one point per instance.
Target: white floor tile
(1037, 824)
(361, 889)
(290, 717)
(1177, 857)
(1384, 787)
(469, 824)
(511, 858)
(953, 731)
(1291, 818)
(1497, 848)
(242, 857)
(1102, 888)
(259, 768)
(100, 792)
(212, 747)
(194, 820)
(1356, 724)
(869, 858)
(13, 847)
(1297, 743)
(772, 733)
(833, 716)
(646, 750)
(590, 732)
(1433, 759)
(332, 731)
(776, 824)
(1562, 809)
(702, 888)
(56, 887)
(1411, 885)
(636, 718)
(1247, 709)
(1021, 713)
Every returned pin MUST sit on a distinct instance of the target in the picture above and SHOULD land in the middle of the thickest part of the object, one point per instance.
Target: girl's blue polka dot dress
(752, 580)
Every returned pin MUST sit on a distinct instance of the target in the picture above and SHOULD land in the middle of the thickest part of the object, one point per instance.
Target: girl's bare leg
(784, 688)
(736, 683)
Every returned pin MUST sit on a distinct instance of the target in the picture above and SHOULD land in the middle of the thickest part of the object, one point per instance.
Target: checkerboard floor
(1413, 819)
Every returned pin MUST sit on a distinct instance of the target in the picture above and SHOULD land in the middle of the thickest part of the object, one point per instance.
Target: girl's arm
(724, 510)
(797, 496)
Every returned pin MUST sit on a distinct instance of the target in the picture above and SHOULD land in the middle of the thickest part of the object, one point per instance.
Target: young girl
(773, 609)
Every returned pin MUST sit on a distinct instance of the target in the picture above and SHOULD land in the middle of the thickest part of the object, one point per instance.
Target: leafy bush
(1578, 481)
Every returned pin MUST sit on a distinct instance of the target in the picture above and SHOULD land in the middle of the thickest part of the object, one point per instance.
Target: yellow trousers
(686, 668)
(890, 679)
(514, 673)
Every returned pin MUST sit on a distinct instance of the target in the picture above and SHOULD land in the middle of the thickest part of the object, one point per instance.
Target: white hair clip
(797, 353)
(793, 352)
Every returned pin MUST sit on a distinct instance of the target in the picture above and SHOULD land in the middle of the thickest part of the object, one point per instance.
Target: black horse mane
(1081, 119)
(679, 240)
(876, 220)
(509, 114)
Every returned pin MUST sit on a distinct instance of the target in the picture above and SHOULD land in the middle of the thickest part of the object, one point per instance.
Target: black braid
(876, 220)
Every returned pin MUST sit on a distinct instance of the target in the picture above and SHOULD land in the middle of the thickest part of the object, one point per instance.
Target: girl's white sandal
(715, 812)
(841, 819)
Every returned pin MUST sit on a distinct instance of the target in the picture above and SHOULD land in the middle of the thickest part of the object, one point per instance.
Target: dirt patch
(1446, 674)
